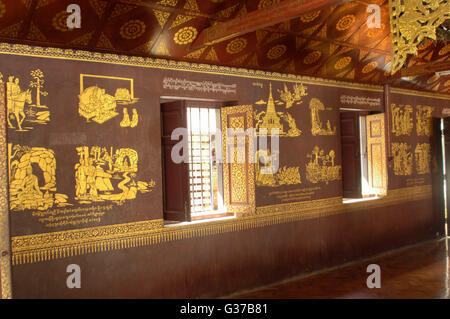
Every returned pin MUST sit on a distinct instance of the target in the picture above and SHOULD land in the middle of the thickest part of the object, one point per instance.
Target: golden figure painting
(322, 167)
(403, 159)
(423, 158)
(402, 123)
(283, 121)
(97, 103)
(424, 124)
(32, 182)
(267, 176)
(316, 124)
(105, 174)
(23, 113)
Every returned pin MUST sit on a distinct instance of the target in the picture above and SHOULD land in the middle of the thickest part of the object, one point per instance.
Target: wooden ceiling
(331, 42)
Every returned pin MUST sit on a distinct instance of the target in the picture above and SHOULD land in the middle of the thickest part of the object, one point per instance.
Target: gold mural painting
(403, 160)
(26, 189)
(97, 105)
(423, 158)
(316, 125)
(424, 124)
(284, 175)
(271, 119)
(402, 123)
(22, 113)
(99, 169)
(321, 166)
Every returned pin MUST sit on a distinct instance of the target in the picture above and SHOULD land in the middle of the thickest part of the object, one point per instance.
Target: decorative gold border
(79, 55)
(5, 261)
(48, 246)
(420, 93)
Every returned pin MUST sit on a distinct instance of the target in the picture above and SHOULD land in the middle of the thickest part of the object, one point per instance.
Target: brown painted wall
(208, 266)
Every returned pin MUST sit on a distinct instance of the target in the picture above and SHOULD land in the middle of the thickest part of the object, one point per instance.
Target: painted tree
(38, 83)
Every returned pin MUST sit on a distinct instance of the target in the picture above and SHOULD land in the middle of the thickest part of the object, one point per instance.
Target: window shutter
(376, 149)
(238, 177)
(176, 178)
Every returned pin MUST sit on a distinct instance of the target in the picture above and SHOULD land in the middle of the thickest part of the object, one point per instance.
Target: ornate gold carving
(316, 125)
(96, 105)
(5, 260)
(271, 119)
(276, 51)
(168, 3)
(345, 22)
(321, 167)
(239, 178)
(423, 158)
(185, 35)
(411, 23)
(132, 29)
(424, 124)
(236, 45)
(403, 160)
(402, 123)
(97, 166)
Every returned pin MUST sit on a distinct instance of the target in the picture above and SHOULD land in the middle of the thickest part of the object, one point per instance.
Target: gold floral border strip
(5, 260)
(420, 93)
(48, 246)
(80, 55)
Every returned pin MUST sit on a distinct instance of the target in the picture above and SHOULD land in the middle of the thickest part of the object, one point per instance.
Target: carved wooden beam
(258, 19)
(422, 69)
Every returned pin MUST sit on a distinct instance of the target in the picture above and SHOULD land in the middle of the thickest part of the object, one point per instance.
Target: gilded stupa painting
(283, 121)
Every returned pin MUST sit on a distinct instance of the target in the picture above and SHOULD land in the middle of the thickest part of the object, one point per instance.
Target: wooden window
(203, 185)
(363, 154)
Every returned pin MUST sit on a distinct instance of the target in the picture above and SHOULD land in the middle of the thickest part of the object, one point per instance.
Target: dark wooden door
(351, 155)
(175, 175)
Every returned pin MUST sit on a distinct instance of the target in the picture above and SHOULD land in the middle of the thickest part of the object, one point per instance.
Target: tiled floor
(420, 271)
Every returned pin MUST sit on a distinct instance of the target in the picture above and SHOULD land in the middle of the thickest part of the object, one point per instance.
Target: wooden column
(5, 248)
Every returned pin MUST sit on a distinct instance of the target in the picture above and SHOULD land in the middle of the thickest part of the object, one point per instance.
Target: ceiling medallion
(342, 63)
(411, 23)
(276, 51)
(132, 29)
(59, 21)
(369, 67)
(312, 57)
(345, 22)
(185, 35)
(2, 9)
(236, 45)
(267, 3)
(310, 16)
